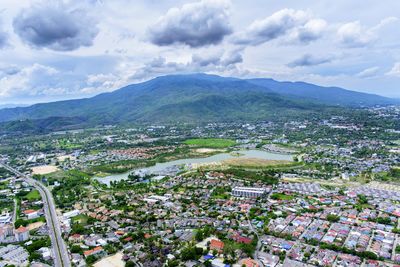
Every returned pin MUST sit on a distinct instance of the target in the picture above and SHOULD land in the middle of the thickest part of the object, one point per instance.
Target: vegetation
(281, 196)
(333, 218)
(211, 142)
(33, 195)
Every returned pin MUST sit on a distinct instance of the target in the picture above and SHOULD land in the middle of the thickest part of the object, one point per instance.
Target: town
(298, 193)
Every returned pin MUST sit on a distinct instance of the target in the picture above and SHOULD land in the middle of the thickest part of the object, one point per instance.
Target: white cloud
(395, 71)
(369, 72)
(56, 26)
(31, 80)
(195, 24)
(308, 60)
(353, 34)
(297, 25)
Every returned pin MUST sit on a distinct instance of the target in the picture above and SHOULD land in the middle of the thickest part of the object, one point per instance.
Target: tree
(90, 259)
(199, 235)
(333, 218)
(130, 264)
(76, 249)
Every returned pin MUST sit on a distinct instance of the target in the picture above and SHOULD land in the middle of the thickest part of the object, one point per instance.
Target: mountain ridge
(196, 97)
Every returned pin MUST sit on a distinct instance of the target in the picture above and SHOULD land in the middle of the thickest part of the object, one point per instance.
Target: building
(21, 234)
(5, 218)
(31, 214)
(217, 245)
(76, 238)
(95, 251)
(71, 214)
(250, 192)
(249, 263)
(5, 231)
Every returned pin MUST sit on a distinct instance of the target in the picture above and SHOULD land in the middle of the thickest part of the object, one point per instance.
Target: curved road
(60, 252)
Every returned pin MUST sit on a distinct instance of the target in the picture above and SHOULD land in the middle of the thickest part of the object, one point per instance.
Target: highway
(60, 252)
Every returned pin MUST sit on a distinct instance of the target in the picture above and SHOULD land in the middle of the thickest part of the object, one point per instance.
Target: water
(159, 167)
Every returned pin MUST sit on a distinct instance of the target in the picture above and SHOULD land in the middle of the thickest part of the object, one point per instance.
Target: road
(14, 218)
(61, 257)
(259, 244)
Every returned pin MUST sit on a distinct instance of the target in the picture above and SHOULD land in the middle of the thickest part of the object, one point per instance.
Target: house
(71, 214)
(21, 234)
(95, 251)
(241, 239)
(5, 231)
(217, 245)
(31, 214)
(76, 238)
(248, 262)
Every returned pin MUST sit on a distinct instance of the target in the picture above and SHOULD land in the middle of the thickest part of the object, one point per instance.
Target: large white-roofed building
(250, 192)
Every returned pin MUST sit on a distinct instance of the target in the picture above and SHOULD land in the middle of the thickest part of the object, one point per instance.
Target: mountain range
(190, 98)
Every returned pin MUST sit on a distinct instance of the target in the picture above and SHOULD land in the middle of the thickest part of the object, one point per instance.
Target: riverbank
(159, 168)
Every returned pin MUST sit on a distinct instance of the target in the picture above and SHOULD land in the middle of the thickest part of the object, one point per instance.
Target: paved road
(259, 244)
(14, 218)
(61, 258)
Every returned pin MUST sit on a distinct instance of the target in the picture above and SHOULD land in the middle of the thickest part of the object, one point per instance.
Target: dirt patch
(254, 162)
(111, 261)
(44, 169)
(63, 158)
(36, 225)
(208, 150)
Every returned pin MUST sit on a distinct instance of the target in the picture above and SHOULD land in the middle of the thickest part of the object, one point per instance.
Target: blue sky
(53, 50)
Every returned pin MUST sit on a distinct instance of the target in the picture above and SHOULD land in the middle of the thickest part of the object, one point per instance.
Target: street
(61, 257)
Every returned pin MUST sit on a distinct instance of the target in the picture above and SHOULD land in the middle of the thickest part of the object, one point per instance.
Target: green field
(81, 218)
(281, 196)
(210, 142)
(33, 195)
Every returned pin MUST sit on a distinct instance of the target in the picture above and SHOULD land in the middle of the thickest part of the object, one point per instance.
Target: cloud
(395, 71)
(296, 25)
(311, 31)
(195, 24)
(309, 60)
(384, 22)
(6, 70)
(353, 34)
(3, 39)
(368, 73)
(218, 58)
(55, 26)
(32, 80)
(216, 62)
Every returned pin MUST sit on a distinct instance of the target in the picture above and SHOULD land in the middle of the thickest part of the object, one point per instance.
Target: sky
(55, 50)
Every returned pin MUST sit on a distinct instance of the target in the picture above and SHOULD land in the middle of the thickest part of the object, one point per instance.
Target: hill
(327, 95)
(188, 98)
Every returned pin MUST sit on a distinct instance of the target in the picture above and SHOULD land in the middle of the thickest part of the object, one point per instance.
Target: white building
(251, 192)
(5, 231)
(5, 218)
(71, 214)
(21, 234)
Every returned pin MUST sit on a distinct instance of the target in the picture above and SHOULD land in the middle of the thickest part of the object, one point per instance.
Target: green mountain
(327, 95)
(185, 98)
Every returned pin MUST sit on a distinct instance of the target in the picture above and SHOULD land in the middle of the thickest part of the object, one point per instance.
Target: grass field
(210, 142)
(255, 162)
(33, 195)
(81, 218)
(280, 196)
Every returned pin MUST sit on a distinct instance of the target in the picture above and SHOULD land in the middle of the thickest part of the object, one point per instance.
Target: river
(160, 167)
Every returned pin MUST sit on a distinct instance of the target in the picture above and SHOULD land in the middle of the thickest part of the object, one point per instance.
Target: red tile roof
(92, 251)
(21, 229)
(216, 244)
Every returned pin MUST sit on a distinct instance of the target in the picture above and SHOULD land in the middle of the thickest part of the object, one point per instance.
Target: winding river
(160, 167)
